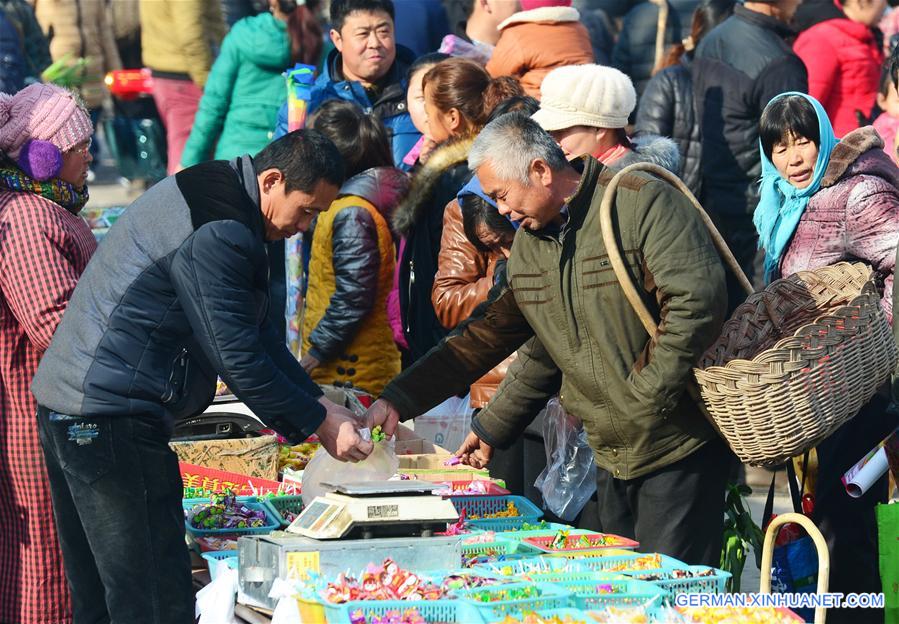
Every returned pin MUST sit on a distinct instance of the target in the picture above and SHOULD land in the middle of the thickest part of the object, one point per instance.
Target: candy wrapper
(225, 512)
(407, 616)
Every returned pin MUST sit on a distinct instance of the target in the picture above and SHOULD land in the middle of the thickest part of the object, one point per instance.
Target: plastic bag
(569, 479)
(447, 424)
(322, 468)
(888, 536)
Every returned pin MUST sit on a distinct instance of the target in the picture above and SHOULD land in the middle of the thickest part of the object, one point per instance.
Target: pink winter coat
(843, 62)
(854, 216)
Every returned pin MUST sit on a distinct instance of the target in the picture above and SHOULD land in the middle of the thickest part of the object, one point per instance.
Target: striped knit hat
(42, 112)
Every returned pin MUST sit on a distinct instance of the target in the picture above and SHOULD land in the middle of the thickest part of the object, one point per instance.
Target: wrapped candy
(224, 512)
(737, 615)
(511, 511)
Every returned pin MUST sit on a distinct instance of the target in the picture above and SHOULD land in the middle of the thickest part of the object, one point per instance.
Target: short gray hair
(511, 142)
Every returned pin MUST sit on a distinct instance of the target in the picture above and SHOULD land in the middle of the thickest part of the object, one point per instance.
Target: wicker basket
(794, 362)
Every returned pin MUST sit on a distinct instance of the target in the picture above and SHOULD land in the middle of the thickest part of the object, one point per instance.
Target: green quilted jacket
(244, 91)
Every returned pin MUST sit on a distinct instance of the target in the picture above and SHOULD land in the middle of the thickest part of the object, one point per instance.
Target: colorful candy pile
(522, 592)
(645, 562)
(407, 616)
(737, 615)
(511, 511)
(388, 581)
(563, 540)
(224, 512)
(296, 457)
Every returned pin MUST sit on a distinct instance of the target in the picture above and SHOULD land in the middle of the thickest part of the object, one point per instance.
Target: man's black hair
(303, 157)
(341, 8)
(791, 115)
(361, 139)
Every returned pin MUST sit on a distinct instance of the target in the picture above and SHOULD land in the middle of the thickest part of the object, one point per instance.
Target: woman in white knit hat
(586, 107)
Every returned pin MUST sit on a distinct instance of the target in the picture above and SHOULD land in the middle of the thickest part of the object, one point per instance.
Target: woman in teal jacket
(245, 88)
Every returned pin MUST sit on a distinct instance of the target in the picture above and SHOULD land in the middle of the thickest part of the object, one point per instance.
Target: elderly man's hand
(475, 452)
(339, 434)
(382, 413)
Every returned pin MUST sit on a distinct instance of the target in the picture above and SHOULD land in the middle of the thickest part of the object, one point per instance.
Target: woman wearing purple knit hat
(45, 136)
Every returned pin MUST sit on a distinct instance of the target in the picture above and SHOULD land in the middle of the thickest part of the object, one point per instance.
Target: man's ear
(337, 40)
(268, 179)
(541, 170)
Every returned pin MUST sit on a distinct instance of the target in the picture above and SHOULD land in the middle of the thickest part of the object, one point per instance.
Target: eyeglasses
(82, 151)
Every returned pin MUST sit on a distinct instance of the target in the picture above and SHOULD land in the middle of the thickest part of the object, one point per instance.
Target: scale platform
(376, 509)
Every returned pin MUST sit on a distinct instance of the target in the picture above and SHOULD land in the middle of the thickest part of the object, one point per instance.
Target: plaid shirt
(43, 250)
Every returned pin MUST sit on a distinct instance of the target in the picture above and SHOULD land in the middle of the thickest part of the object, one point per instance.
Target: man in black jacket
(738, 67)
(177, 293)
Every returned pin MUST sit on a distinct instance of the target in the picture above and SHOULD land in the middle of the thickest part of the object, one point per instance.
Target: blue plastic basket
(589, 595)
(483, 505)
(278, 505)
(433, 611)
(214, 557)
(609, 563)
(714, 583)
(252, 502)
(534, 564)
(551, 529)
(549, 597)
(574, 615)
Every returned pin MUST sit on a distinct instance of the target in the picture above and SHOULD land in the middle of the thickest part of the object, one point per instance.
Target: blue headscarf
(781, 204)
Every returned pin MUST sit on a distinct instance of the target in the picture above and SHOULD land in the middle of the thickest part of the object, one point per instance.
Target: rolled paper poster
(869, 469)
(299, 92)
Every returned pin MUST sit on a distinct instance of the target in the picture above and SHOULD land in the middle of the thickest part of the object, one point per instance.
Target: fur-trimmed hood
(444, 157)
(651, 148)
(542, 15)
(860, 152)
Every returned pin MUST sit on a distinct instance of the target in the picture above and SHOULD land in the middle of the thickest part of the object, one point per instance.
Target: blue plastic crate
(549, 597)
(279, 505)
(252, 502)
(530, 565)
(576, 616)
(482, 505)
(590, 595)
(433, 611)
(609, 563)
(714, 582)
(219, 557)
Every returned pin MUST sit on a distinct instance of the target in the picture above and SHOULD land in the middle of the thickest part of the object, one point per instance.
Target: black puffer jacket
(635, 51)
(667, 109)
(419, 219)
(355, 258)
(737, 68)
(177, 293)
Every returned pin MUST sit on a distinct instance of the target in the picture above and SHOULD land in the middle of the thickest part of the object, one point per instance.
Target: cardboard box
(252, 457)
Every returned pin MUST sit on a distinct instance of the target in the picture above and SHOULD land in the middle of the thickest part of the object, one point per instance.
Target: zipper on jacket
(178, 364)
(409, 296)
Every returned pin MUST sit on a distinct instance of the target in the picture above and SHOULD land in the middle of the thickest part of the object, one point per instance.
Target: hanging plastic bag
(569, 479)
(322, 468)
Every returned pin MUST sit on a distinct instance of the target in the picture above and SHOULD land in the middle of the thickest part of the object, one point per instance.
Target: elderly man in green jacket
(662, 469)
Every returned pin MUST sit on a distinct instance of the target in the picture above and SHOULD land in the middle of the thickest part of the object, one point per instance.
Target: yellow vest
(371, 359)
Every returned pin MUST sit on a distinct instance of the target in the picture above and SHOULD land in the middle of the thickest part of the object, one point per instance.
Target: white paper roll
(864, 474)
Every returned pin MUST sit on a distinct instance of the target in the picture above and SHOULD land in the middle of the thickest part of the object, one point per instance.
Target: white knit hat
(585, 95)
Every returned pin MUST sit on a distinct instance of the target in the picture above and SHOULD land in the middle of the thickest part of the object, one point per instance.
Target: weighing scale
(376, 509)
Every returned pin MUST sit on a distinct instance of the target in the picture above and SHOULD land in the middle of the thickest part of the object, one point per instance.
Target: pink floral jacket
(855, 214)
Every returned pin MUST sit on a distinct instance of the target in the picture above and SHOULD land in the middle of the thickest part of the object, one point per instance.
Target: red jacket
(843, 62)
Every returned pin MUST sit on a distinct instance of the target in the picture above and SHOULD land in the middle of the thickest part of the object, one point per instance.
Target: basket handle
(820, 545)
(608, 237)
